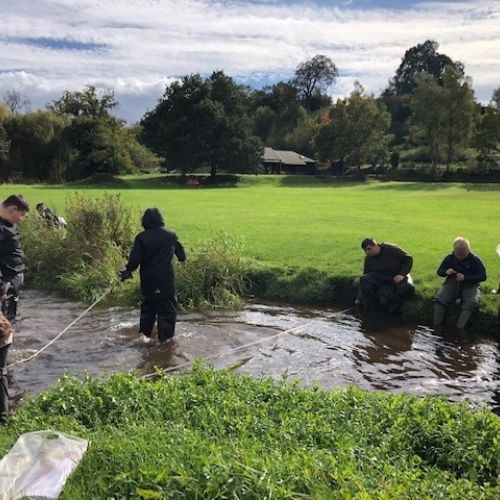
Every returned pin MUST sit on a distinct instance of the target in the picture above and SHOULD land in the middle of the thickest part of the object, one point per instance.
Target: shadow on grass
(317, 181)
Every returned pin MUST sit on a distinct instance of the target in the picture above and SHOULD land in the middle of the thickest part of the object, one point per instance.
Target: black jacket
(471, 267)
(153, 250)
(11, 252)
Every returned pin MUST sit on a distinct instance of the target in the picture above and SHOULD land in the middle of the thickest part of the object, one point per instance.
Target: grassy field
(305, 222)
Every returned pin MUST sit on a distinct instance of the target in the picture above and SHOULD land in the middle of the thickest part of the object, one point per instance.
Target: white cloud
(147, 43)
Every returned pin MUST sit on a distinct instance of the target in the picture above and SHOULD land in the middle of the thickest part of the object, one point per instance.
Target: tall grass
(83, 259)
(213, 434)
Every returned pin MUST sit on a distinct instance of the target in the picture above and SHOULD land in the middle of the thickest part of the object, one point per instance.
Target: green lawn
(307, 222)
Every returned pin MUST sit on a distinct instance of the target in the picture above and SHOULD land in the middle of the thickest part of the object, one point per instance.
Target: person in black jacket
(153, 251)
(12, 211)
(463, 272)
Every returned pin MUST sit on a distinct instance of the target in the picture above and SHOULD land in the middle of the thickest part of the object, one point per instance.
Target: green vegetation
(212, 434)
(300, 236)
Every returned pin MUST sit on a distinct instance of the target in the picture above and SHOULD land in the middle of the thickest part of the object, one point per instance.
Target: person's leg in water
(446, 295)
(403, 291)
(471, 297)
(148, 318)
(369, 285)
(167, 316)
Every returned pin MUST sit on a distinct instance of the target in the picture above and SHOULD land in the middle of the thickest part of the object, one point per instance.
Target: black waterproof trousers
(163, 309)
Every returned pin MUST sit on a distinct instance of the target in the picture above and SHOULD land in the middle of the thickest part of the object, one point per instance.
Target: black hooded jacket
(11, 252)
(153, 250)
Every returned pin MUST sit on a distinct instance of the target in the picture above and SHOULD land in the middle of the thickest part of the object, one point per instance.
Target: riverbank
(298, 236)
(212, 434)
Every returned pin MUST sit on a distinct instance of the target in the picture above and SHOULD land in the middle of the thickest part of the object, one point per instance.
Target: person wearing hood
(153, 250)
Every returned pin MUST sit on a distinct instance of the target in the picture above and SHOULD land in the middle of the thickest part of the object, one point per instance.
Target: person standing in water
(153, 250)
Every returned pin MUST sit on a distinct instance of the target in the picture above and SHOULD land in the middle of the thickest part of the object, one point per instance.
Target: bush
(214, 274)
(83, 258)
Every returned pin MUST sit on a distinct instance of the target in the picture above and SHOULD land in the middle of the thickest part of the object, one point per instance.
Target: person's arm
(406, 261)
(179, 250)
(444, 267)
(478, 274)
(135, 257)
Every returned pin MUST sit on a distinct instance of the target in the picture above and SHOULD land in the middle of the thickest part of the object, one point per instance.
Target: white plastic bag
(39, 464)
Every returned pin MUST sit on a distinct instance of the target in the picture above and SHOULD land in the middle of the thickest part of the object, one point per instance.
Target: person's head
(40, 207)
(461, 248)
(370, 247)
(14, 208)
(152, 218)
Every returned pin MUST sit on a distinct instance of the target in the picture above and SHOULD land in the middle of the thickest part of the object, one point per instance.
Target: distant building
(278, 161)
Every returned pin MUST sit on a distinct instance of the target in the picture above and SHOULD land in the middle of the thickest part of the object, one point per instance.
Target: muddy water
(330, 349)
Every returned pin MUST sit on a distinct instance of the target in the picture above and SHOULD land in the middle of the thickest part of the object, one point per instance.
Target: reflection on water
(332, 350)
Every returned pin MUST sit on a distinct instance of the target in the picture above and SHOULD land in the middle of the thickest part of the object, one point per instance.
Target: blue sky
(137, 47)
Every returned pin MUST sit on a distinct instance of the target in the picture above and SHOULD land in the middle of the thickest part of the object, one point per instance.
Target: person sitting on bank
(386, 265)
(463, 271)
(52, 219)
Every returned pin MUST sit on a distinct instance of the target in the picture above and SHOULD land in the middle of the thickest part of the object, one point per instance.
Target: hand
(460, 277)
(398, 278)
(124, 274)
(450, 271)
(3, 297)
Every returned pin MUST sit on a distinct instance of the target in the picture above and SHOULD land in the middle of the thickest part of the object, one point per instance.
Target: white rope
(59, 335)
(225, 353)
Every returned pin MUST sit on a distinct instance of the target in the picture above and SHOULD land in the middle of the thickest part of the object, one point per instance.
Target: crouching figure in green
(463, 271)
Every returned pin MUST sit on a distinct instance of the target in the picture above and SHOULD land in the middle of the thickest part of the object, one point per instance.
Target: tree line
(426, 118)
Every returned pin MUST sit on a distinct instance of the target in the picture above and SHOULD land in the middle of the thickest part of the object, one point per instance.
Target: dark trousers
(162, 309)
(370, 285)
(4, 391)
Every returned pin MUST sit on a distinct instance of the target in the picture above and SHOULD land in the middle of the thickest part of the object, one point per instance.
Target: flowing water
(328, 348)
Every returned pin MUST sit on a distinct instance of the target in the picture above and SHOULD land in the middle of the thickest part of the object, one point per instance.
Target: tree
(423, 58)
(93, 134)
(90, 103)
(358, 129)
(420, 59)
(203, 122)
(38, 150)
(487, 133)
(442, 114)
(312, 79)
(16, 101)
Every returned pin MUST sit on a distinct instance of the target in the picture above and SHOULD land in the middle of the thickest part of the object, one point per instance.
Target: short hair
(18, 201)
(368, 242)
(461, 243)
(38, 205)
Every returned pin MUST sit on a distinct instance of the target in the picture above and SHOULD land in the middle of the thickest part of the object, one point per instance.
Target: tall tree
(357, 129)
(93, 133)
(203, 122)
(16, 101)
(89, 102)
(312, 79)
(423, 58)
(442, 114)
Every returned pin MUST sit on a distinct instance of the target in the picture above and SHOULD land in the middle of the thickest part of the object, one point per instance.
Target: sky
(137, 47)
